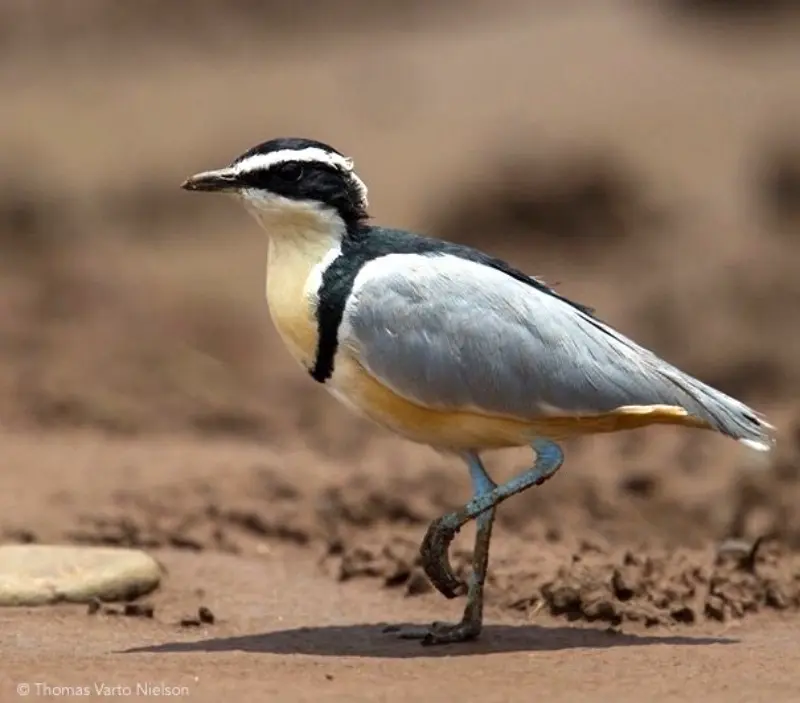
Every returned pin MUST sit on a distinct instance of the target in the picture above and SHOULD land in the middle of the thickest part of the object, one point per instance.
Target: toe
(409, 632)
(437, 632)
(462, 632)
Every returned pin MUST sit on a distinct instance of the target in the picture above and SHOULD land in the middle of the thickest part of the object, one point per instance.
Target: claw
(464, 631)
(439, 632)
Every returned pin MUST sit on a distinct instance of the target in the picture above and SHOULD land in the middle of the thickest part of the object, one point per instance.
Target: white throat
(295, 222)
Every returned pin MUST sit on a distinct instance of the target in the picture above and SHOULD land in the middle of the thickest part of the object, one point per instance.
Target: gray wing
(454, 334)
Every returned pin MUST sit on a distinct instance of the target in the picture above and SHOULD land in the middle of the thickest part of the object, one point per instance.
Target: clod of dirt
(683, 614)
(362, 561)
(396, 562)
(640, 485)
(118, 532)
(139, 610)
(150, 522)
(205, 615)
(599, 584)
(257, 524)
(130, 610)
(683, 588)
(623, 584)
(715, 608)
(359, 503)
(749, 560)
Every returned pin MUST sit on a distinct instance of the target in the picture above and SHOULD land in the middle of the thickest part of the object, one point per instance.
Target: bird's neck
(300, 235)
(301, 244)
(299, 240)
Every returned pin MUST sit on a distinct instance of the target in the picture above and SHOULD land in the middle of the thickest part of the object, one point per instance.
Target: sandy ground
(643, 161)
(290, 625)
(299, 646)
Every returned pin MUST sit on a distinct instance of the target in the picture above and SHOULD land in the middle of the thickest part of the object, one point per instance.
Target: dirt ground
(642, 156)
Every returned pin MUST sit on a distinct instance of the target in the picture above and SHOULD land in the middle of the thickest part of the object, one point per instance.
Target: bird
(448, 346)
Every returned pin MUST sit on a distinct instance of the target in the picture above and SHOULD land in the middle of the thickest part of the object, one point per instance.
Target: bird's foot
(439, 632)
(436, 561)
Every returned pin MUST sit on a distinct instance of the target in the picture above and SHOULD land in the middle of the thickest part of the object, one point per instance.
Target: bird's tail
(722, 412)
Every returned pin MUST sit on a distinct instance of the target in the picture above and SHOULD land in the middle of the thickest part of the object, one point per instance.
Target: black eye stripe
(308, 181)
(290, 171)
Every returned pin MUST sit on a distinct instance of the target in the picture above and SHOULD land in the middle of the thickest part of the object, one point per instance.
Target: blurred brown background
(642, 156)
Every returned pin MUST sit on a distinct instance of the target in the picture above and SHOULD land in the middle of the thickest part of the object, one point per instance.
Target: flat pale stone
(32, 574)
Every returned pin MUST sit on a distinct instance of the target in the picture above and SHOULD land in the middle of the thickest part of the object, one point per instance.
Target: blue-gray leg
(486, 497)
(471, 622)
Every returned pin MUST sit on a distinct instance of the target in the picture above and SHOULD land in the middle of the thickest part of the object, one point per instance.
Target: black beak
(223, 179)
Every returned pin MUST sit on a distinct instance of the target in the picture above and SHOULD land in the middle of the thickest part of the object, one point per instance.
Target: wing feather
(453, 334)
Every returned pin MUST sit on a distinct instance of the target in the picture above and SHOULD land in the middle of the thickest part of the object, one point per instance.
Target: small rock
(641, 485)
(190, 622)
(684, 614)
(205, 615)
(623, 585)
(521, 604)
(602, 608)
(32, 575)
(776, 598)
(553, 534)
(139, 610)
(398, 575)
(715, 608)
(631, 559)
(564, 599)
(184, 542)
(737, 609)
(592, 546)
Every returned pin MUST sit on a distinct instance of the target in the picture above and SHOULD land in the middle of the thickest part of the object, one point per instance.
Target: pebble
(35, 574)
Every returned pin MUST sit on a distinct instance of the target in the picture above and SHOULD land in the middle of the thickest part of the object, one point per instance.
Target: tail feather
(723, 413)
(668, 385)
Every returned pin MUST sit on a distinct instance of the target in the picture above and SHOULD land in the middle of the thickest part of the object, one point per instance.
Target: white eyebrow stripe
(309, 155)
(263, 161)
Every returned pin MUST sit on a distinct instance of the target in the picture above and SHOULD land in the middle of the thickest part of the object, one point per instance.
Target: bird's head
(291, 182)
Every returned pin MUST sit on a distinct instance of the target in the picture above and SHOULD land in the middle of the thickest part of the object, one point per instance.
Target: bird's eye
(290, 172)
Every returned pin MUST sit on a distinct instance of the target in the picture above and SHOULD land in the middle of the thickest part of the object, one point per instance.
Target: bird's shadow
(372, 641)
